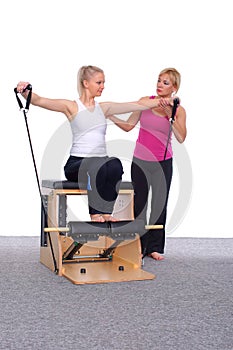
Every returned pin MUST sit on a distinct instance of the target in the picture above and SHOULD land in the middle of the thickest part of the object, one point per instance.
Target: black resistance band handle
(176, 102)
(28, 100)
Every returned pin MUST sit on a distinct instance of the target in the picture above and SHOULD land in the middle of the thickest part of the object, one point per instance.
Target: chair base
(88, 264)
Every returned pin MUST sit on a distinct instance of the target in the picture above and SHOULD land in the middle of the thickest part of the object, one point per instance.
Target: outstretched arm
(110, 108)
(69, 108)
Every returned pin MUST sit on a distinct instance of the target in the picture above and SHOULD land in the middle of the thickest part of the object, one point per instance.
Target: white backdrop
(46, 42)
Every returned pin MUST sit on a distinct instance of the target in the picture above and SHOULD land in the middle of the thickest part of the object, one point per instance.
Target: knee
(115, 167)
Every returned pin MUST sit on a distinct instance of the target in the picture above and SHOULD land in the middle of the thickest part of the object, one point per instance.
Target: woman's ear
(174, 91)
(85, 83)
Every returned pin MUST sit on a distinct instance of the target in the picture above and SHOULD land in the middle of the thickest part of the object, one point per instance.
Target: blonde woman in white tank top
(88, 159)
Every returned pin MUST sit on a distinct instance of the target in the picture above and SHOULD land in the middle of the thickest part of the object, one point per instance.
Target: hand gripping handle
(28, 100)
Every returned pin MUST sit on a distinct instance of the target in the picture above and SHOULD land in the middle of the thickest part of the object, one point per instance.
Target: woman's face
(95, 84)
(165, 87)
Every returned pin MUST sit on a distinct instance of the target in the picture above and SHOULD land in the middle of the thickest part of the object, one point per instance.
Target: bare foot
(108, 217)
(142, 259)
(156, 256)
(97, 218)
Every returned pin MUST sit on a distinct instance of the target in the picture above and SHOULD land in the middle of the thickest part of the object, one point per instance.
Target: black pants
(102, 176)
(157, 176)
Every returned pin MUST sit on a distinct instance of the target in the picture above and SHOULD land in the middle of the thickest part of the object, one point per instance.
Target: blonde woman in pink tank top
(151, 167)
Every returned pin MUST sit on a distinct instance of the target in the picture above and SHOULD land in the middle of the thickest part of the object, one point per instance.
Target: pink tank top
(153, 137)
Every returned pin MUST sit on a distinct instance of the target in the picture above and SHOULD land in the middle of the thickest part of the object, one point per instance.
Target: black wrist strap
(28, 100)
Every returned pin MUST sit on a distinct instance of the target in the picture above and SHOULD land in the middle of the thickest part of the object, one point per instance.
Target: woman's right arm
(69, 108)
(128, 124)
(110, 108)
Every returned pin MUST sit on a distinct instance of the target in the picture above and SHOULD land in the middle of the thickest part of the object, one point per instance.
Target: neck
(88, 101)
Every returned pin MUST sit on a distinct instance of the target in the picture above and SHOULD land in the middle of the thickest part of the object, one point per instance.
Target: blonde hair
(86, 73)
(174, 76)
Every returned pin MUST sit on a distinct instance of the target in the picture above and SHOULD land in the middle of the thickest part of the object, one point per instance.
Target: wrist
(173, 120)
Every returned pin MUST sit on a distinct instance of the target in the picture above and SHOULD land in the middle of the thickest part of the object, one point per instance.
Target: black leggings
(157, 176)
(102, 176)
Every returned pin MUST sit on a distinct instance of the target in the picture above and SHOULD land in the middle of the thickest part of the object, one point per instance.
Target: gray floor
(187, 307)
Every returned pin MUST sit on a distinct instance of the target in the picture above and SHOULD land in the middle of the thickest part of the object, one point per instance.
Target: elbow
(180, 135)
(126, 127)
(182, 138)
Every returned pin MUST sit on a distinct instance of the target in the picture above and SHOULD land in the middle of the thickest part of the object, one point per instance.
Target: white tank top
(88, 131)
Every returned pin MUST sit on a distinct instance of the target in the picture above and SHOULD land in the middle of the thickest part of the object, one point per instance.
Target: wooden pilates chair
(88, 252)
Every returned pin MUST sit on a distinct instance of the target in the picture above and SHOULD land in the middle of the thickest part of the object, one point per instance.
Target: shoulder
(146, 98)
(181, 110)
(72, 110)
(181, 113)
(104, 106)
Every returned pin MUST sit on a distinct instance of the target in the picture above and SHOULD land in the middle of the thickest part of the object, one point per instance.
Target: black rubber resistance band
(25, 110)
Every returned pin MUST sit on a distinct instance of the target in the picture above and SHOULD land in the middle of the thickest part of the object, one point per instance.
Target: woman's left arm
(179, 125)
